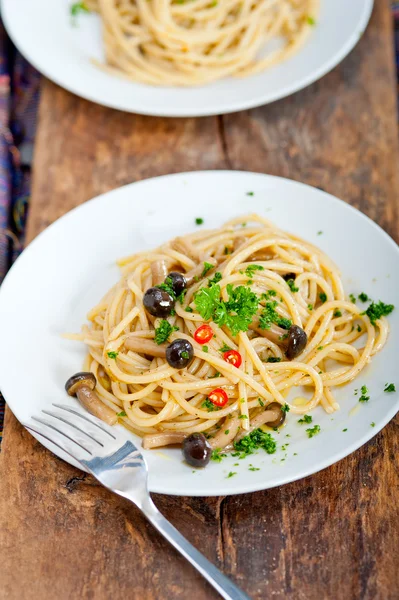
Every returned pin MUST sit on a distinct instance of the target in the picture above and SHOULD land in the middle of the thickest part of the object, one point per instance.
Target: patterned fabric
(19, 95)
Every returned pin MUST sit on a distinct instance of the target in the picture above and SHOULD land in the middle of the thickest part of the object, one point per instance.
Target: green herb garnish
(364, 391)
(163, 332)
(199, 221)
(372, 424)
(77, 8)
(217, 455)
(209, 405)
(269, 316)
(250, 270)
(236, 313)
(255, 440)
(323, 297)
(292, 286)
(363, 297)
(185, 354)
(167, 286)
(215, 279)
(337, 313)
(224, 348)
(217, 374)
(273, 359)
(261, 403)
(231, 474)
(313, 431)
(112, 354)
(376, 310)
(121, 414)
(306, 419)
(285, 408)
(389, 387)
(189, 309)
(250, 193)
(311, 21)
(352, 298)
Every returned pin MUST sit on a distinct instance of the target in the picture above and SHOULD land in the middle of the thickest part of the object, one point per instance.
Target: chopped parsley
(261, 403)
(189, 309)
(250, 193)
(167, 286)
(376, 310)
(372, 424)
(112, 354)
(273, 359)
(250, 270)
(311, 21)
(207, 267)
(227, 432)
(243, 417)
(251, 468)
(292, 286)
(337, 313)
(199, 221)
(323, 297)
(269, 316)
(217, 374)
(209, 405)
(267, 295)
(306, 419)
(359, 328)
(319, 232)
(310, 306)
(344, 430)
(215, 279)
(121, 414)
(78, 7)
(185, 354)
(224, 348)
(363, 297)
(285, 408)
(205, 349)
(227, 250)
(364, 391)
(389, 387)
(236, 313)
(255, 440)
(352, 298)
(231, 474)
(217, 455)
(163, 332)
(313, 431)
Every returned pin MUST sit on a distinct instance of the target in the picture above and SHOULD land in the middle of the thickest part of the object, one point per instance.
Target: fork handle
(226, 588)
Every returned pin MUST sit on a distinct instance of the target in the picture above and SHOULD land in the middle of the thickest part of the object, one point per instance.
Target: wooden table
(333, 535)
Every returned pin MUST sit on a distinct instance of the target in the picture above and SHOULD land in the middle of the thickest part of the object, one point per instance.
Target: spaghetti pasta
(258, 289)
(194, 42)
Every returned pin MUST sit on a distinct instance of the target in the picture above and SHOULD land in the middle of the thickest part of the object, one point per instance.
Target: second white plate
(42, 31)
(66, 269)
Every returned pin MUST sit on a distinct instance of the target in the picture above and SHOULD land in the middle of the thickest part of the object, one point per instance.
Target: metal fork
(116, 462)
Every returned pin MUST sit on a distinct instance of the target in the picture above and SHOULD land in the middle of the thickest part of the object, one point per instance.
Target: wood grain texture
(333, 535)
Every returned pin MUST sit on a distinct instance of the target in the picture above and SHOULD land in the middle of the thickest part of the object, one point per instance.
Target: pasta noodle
(294, 287)
(194, 42)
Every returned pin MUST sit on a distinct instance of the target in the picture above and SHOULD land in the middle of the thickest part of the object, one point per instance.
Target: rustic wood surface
(333, 535)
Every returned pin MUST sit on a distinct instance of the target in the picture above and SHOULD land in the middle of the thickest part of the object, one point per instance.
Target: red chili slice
(233, 358)
(218, 397)
(203, 334)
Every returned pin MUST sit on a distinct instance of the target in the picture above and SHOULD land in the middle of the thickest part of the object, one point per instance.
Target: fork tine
(59, 431)
(59, 442)
(93, 420)
(72, 424)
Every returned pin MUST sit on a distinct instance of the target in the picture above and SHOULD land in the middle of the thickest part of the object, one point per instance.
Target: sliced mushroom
(145, 346)
(292, 341)
(164, 438)
(223, 439)
(82, 385)
(159, 271)
(272, 416)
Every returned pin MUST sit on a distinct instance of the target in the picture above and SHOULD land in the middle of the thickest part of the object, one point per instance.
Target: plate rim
(229, 107)
(243, 486)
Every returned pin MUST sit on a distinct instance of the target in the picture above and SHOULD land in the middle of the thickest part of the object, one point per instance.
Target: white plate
(68, 267)
(42, 31)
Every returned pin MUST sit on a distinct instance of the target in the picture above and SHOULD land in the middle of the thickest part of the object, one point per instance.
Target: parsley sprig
(236, 313)
(255, 440)
(376, 310)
